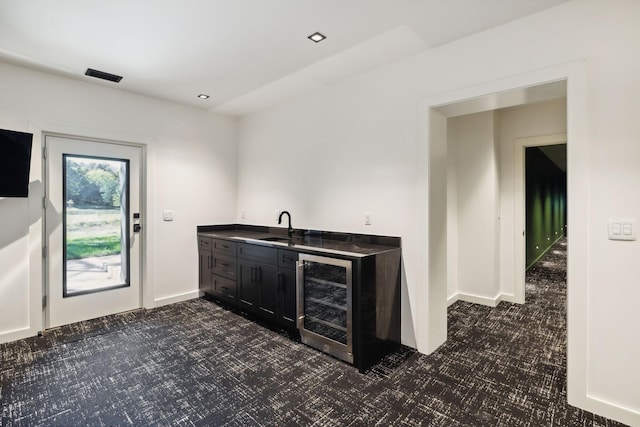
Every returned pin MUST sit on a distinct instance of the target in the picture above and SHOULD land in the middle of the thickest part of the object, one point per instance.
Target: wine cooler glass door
(324, 304)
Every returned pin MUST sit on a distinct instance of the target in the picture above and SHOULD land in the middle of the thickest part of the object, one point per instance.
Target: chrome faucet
(289, 230)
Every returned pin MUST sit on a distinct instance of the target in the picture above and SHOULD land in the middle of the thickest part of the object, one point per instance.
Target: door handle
(137, 228)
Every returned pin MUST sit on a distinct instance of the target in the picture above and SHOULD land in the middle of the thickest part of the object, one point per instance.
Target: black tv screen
(15, 163)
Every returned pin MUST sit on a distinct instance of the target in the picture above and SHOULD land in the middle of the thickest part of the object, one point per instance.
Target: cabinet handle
(224, 265)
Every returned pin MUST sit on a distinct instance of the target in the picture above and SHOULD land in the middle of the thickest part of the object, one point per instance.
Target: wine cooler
(325, 304)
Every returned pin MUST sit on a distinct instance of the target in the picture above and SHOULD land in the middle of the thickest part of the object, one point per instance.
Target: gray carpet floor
(197, 364)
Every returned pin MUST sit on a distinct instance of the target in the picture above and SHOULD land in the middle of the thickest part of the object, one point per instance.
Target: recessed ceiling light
(203, 96)
(317, 37)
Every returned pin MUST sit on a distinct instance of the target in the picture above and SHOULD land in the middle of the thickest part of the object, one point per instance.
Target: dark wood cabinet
(247, 288)
(267, 276)
(224, 271)
(224, 266)
(286, 311)
(205, 261)
(258, 279)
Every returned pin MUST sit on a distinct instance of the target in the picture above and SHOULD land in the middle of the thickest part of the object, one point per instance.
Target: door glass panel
(325, 300)
(95, 224)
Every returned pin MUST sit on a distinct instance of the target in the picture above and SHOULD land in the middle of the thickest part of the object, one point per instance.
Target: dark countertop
(358, 245)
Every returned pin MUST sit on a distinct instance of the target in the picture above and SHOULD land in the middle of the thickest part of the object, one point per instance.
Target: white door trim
(428, 300)
(519, 209)
(146, 292)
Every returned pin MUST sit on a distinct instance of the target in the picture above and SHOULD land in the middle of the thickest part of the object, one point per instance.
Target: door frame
(146, 293)
(428, 296)
(519, 209)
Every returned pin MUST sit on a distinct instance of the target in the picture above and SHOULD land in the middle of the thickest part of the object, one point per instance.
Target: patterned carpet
(196, 364)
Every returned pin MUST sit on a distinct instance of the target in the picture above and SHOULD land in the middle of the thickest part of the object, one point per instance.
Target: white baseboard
(17, 334)
(177, 298)
(610, 410)
(510, 298)
(475, 299)
(453, 298)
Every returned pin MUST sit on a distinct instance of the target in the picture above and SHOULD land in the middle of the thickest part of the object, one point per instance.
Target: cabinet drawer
(258, 253)
(224, 287)
(224, 266)
(224, 247)
(204, 243)
(287, 259)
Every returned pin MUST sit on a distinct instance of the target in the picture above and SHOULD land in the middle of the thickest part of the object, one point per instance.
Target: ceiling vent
(102, 75)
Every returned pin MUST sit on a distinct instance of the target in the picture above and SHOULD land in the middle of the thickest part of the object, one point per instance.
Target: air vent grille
(102, 75)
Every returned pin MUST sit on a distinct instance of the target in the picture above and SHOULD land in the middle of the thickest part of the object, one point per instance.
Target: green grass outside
(92, 246)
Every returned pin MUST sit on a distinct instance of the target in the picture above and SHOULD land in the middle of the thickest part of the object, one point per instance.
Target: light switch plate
(622, 229)
(167, 215)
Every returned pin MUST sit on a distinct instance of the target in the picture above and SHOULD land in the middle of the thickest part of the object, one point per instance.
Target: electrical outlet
(367, 218)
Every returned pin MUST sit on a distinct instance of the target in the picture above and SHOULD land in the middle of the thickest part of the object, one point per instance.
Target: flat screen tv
(15, 163)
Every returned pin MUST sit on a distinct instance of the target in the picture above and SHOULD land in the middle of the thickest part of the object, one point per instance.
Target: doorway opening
(546, 238)
(545, 200)
(571, 79)
(540, 201)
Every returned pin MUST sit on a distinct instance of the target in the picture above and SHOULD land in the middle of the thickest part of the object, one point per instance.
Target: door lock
(136, 223)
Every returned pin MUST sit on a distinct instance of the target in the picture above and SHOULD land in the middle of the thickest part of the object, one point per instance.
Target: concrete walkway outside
(93, 273)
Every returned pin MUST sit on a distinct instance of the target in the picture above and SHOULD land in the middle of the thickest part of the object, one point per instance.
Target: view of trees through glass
(93, 191)
(93, 185)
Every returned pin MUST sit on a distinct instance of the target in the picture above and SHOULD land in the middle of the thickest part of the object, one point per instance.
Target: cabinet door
(224, 247)
(247, 284)
(205, 271)
(258, 253)
(258, 287)
(287, 310)
(224, 266)
(224, 288)
(267, 280)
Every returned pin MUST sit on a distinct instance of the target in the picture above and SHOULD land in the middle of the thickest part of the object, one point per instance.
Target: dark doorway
(546, 199)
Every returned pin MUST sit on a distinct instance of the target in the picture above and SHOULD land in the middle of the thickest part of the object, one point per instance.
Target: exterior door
(92, 229)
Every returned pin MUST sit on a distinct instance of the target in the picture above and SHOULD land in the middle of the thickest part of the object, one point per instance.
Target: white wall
(473, 225)
(352, 147)
(191, 169)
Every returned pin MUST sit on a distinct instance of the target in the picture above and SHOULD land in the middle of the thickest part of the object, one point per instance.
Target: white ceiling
(245, 54)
